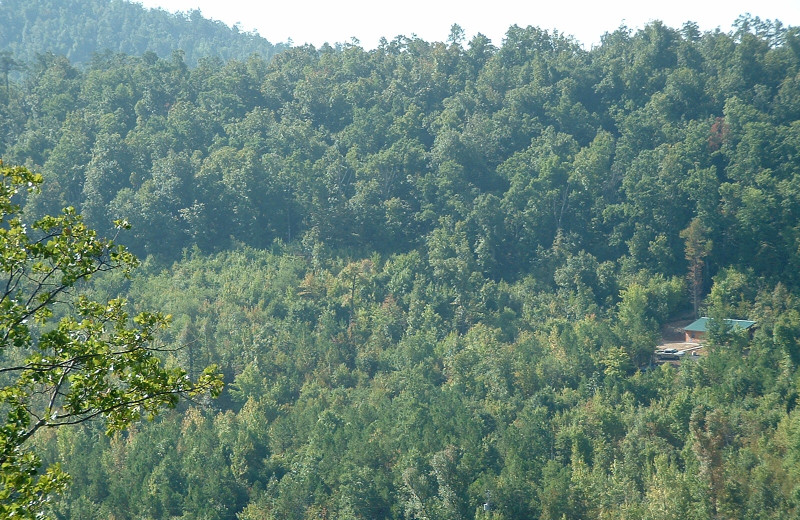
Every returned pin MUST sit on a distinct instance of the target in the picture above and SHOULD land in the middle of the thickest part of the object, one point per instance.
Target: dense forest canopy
(79, 29)
(434, 274)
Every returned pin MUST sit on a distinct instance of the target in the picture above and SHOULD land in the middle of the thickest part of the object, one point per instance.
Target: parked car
(669, 354)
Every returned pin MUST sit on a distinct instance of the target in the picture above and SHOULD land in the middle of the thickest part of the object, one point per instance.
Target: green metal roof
(701, 325)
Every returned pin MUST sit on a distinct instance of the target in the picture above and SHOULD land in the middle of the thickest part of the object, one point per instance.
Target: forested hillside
(79, 29)
(434, 274)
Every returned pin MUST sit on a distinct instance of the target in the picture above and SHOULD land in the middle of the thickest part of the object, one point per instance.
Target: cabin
(696, 331)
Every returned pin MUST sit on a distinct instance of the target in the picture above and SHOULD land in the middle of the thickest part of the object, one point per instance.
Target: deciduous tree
(95, 361)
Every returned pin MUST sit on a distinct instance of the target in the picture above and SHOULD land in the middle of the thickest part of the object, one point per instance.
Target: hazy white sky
(317, 21)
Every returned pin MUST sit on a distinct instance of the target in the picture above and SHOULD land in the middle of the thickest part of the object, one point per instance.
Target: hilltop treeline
(81, 29)
(433, 273)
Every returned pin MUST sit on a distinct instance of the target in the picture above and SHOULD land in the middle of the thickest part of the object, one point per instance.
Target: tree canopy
(92, 361)
(433, 274)
(81, 29)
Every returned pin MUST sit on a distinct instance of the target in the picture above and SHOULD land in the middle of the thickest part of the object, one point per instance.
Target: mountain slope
(80, 28)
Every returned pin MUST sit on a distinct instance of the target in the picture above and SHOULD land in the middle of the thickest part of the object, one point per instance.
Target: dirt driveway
(673, 337)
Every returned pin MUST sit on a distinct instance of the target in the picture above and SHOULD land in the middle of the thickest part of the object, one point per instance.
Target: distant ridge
(80, 28)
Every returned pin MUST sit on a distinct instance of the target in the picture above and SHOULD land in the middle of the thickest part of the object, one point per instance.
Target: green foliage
(92, 28)
(95, 362)
(433, 275)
